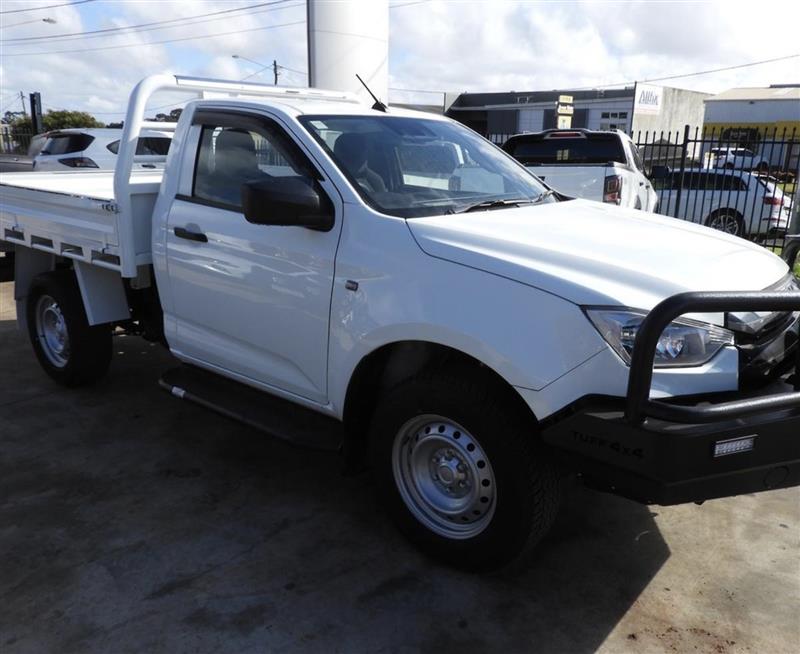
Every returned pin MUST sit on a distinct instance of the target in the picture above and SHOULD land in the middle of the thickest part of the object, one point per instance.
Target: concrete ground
(133, 522)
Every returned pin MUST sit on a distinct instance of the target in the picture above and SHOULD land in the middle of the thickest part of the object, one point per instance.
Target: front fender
(529, 337)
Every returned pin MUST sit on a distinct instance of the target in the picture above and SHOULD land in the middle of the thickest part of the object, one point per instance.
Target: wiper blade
(494, 204)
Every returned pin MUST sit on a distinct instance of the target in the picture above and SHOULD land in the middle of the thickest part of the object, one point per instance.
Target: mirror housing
(287, 201)
(659, 172)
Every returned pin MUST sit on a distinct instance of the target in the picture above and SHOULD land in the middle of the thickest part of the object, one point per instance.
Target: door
(252, 301)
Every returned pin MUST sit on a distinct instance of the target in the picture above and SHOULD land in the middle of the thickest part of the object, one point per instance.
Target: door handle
(182, 232)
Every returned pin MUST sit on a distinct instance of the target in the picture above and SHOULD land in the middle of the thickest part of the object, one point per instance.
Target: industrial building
(765, 120)
(639, 108)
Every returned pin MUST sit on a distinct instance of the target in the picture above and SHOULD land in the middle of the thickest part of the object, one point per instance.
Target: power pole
(22, 100)
(275, 70)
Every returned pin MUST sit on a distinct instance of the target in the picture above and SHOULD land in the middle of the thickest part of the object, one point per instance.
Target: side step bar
(257, 409)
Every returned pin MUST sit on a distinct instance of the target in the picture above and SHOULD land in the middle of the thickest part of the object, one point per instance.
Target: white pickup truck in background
(436, 310)
(580, 163)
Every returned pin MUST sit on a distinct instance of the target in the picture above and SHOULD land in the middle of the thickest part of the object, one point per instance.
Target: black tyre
(461, 470)
(726, 220)
(70, 351)
(791, 253)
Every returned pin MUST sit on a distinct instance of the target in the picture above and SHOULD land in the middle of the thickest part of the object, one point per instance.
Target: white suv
(738, 159)
(97, 148)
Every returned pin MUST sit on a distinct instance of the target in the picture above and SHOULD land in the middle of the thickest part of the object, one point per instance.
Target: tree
(58, 119)
(11, 117)
(171, 117)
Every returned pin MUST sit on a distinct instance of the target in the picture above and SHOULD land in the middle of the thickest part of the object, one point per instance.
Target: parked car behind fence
(703, 178)
(732, 201)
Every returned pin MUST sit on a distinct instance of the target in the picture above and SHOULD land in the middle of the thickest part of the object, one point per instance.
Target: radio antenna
(378, 106)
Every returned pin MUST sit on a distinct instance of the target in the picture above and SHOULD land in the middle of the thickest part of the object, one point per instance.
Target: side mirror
(287, 201)
(659, 172)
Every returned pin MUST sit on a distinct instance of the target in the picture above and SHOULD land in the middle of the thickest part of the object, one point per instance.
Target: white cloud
(453, 45)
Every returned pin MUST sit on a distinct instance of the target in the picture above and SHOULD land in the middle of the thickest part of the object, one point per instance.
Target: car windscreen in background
(67, 143)
(593, 149)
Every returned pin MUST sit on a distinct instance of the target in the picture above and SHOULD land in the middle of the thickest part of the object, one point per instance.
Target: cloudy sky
(457, 45)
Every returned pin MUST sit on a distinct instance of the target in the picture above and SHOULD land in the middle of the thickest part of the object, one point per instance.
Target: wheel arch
(391, 363)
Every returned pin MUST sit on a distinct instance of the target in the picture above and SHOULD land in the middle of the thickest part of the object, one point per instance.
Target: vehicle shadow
(130, 521)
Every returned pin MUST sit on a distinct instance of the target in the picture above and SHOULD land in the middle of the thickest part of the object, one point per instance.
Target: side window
(229, 156)
(730, 183)
(152, 145)
(147, 145)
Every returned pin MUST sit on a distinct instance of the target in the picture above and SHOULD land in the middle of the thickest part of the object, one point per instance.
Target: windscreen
(412, 167)
(589, 149)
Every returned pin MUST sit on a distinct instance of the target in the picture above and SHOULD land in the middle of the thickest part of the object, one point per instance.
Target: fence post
(684, 147)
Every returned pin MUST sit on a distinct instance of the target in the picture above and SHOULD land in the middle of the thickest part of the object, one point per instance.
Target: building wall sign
(648, 99)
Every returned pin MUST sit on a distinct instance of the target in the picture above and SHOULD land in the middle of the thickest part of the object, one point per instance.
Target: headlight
(684, 342)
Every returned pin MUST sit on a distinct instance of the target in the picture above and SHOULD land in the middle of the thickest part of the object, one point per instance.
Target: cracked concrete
(132, 522)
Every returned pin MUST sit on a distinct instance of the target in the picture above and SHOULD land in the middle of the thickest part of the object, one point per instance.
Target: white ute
(441, 315)
(605, 166)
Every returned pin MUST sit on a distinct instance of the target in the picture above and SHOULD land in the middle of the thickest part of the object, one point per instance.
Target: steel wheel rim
(51, 330)
(725, 223)
(444, 477)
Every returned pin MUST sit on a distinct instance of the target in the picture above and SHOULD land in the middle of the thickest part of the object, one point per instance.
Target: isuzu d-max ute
(390, 283)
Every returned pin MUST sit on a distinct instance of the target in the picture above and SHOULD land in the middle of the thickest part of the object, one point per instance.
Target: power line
(141, 27)
(166, 27)
(408, 4)
(137, 45)
(695, 74)
(28, 22)
(63, 4)
(293, 70)
(6, 106)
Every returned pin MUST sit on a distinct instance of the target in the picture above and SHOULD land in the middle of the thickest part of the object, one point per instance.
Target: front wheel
(462, 472)
(71, 351)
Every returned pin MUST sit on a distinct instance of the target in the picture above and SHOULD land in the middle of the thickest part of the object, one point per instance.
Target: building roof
(482, 100)
(759, 93)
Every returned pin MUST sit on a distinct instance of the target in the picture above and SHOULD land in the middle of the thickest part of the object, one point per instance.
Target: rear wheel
(71, 351)
(726, 221)
(462, 472)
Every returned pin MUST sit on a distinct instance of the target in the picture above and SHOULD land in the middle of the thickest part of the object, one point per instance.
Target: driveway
(133, 522)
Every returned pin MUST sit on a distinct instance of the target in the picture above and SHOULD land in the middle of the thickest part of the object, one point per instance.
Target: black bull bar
(667, 451)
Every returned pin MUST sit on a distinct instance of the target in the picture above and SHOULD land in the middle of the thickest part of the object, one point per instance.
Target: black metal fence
(742, 181)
